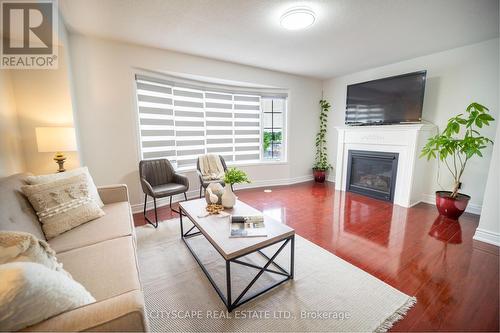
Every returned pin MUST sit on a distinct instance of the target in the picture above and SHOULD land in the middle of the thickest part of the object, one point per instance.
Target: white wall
(489, 223)
(454, 79)
(103, 73)
(43, 99)
(11, 156)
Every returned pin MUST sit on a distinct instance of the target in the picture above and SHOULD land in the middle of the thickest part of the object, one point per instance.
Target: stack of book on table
(247, 226)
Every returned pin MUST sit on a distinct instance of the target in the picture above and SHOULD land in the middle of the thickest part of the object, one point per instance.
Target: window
(273, 110)
(181, 121)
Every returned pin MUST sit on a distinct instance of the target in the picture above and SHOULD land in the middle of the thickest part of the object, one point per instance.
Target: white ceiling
(348, 35)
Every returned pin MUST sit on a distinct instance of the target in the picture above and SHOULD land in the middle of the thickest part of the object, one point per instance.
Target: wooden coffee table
(216, 230)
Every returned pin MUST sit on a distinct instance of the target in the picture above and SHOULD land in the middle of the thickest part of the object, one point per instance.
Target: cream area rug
(327, 294)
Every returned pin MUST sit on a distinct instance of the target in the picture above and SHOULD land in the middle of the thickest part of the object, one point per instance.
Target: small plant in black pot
(321, 165)
(455, 146)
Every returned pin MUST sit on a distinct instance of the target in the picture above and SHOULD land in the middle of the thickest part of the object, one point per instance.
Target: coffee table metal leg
(292, 256)
(180, 218)
(229, 304)
(239, 300)
(207, 274)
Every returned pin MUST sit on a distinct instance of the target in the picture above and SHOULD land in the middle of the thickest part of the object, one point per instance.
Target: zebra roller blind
(181, 121)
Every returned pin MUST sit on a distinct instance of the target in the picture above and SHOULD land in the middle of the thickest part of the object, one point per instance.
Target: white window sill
(239, 164)
(229, 164)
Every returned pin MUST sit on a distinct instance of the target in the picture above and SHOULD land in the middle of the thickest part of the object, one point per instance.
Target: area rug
(327, 294)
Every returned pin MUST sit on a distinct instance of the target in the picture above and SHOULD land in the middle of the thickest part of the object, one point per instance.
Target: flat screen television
(392, 100)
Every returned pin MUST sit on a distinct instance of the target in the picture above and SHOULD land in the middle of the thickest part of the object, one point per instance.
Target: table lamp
(56, 140)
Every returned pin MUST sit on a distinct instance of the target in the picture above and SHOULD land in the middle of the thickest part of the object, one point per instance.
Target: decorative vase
(451, 207)
(319, 175)
(228, 197)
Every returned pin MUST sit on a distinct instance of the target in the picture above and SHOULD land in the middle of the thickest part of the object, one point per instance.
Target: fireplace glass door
(372, 173)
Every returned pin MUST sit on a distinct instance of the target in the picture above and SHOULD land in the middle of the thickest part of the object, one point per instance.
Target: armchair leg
(201, 187)
(154, 224)
(173, 209)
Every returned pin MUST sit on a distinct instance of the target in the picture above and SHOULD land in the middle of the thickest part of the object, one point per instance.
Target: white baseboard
(471, 208)
(136, 208)
(487, 237)
(276, 182)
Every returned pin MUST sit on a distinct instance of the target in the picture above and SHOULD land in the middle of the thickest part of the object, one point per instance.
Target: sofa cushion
(117, 222)
(63, 204)
(105, 269)
(43, 179)
(16, 213)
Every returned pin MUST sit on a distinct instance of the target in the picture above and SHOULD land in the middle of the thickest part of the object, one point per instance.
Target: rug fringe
(396, 316)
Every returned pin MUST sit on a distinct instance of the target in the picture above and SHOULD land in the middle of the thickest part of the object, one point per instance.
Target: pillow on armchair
(63, 204)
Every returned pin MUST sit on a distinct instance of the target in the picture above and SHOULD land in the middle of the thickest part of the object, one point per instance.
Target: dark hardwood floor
(455, 279)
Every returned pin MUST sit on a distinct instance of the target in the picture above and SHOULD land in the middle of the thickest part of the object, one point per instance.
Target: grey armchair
(204, 183)
(159, 180)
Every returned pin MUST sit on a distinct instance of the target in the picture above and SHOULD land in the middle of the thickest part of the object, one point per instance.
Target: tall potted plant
(455, 146)
(321, 164)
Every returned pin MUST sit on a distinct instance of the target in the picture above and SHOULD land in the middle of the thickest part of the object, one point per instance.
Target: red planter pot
(319, 176)
(451, 207)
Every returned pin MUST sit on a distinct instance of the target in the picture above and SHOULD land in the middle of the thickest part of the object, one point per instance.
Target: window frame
(211, 83)
(284, 143)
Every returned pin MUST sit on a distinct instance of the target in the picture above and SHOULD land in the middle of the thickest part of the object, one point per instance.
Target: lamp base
(60, 158)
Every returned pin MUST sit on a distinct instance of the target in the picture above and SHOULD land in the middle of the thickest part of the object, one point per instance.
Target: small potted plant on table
(231, 177)
(321, 164)
(455, 146)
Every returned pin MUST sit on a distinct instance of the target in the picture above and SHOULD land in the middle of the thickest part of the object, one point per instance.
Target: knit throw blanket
(211, 167)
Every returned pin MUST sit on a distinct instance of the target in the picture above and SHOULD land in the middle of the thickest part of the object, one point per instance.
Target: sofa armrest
(124, 313)
(113, 193)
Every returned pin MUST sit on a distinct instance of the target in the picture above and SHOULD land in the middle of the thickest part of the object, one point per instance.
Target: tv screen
(391, 100)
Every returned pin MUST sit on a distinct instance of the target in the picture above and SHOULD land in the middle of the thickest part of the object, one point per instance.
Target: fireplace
(372, 173)
(404, 140)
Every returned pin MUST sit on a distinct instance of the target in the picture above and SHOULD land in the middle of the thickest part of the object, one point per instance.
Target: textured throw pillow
(24, 247)
(42, 179)
(63, 204)
(31, 293)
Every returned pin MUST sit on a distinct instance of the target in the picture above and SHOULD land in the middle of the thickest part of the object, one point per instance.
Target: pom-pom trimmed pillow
(43, 179)
(16, 246)
(63, 204)
(31, 293)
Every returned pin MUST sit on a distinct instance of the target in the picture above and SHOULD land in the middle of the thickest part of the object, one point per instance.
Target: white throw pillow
(16, 246)
(43, 179)
(31, 293)
(63, 204)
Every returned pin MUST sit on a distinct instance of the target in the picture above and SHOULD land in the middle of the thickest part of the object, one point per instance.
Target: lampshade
(55, 139)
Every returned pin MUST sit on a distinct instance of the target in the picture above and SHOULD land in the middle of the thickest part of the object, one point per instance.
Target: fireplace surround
(404, 140)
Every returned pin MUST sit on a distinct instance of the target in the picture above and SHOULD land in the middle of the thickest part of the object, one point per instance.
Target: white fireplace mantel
(407, 140)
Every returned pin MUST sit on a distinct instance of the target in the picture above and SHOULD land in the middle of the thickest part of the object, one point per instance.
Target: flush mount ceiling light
(298, 18)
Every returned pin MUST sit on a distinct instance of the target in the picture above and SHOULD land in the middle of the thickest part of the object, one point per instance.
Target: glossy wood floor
(455, 279)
